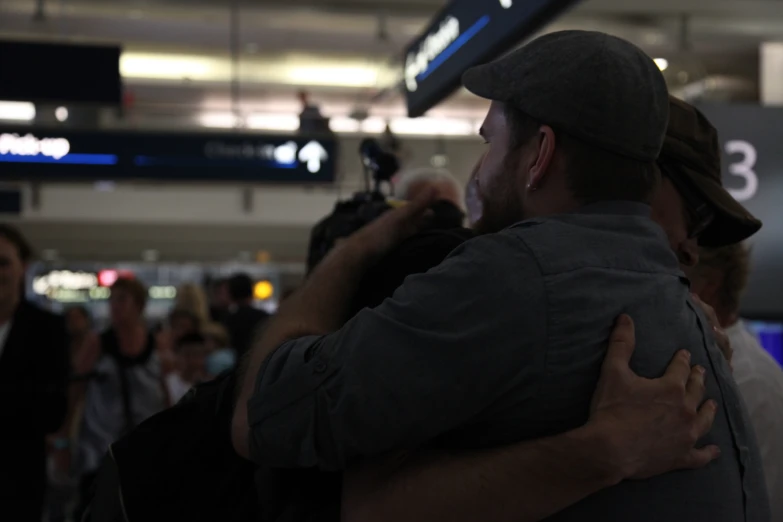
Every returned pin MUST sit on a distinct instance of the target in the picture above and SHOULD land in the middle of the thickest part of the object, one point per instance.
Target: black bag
(179, 465)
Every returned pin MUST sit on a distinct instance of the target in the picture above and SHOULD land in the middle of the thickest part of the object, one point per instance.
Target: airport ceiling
(714, 23)
(716, 40)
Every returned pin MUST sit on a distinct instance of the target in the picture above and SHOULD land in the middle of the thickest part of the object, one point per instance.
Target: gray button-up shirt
(504, 342)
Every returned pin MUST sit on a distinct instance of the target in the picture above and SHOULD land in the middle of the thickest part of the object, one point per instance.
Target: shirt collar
(618, 207)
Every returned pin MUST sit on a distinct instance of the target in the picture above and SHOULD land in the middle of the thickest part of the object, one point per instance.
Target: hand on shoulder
(651, 425)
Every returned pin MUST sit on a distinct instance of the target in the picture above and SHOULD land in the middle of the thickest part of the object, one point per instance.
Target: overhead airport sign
(467, 33)
(47, 154)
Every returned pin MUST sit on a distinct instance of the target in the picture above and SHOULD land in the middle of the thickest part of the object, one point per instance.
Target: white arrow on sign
(313, 154)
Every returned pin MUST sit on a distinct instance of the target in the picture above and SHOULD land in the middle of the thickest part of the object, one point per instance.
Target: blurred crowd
(113, 379)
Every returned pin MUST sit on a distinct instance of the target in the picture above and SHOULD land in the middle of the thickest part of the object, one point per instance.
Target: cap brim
(482, 80)
(733, 223)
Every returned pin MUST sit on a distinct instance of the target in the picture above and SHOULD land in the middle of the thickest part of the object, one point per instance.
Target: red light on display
(107, 278)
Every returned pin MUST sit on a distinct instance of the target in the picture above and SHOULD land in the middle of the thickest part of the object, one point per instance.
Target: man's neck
(560, 204)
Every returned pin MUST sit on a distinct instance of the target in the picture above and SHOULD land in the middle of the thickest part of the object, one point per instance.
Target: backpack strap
(127, 411)
(111, 347)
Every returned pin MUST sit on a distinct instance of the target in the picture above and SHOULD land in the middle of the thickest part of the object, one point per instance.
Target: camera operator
(381, 165)
(410, 184)
(446, 210)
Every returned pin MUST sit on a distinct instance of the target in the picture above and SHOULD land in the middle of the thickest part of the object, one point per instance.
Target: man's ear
(545, 151)
(688, 253)
(705, 282)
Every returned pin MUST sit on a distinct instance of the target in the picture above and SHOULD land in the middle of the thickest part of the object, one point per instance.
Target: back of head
(606, 101)
(593, 174)
(240, 288)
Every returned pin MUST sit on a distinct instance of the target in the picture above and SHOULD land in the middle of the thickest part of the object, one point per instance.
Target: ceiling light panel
(17, 111)
(290, 70)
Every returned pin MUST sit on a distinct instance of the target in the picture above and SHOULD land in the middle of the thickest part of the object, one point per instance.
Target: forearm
(321, 306)
(522, 483)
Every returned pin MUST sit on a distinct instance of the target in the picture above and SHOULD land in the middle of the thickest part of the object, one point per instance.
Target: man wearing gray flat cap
(504, 341)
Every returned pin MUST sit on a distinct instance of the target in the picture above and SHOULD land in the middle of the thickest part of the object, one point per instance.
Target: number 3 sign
(742, 166)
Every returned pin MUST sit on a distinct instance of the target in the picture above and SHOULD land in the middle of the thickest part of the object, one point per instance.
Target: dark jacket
(33, 401)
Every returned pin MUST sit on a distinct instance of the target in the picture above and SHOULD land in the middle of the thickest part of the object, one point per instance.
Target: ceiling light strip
(430, 126)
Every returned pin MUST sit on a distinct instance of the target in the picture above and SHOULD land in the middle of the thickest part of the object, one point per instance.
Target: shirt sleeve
(446, 346)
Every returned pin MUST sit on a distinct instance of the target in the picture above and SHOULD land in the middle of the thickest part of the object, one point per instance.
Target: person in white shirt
(719, 279)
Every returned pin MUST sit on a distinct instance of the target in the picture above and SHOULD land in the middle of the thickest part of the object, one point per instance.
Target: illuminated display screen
(467, 33)
(770, 336)
(76, 286)
(72, 155)
(60, 73)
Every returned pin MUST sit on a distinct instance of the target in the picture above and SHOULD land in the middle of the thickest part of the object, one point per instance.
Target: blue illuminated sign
(74, 155)
(70, 159)
(463, 34)
(454, 47)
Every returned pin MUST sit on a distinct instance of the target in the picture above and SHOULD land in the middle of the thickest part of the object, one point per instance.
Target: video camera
(351, 215)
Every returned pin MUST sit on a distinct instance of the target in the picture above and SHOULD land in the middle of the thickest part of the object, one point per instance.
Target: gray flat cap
(596, 87)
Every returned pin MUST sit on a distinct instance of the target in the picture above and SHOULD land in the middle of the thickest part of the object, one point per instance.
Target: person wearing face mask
(504, 340)
(33, 384)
